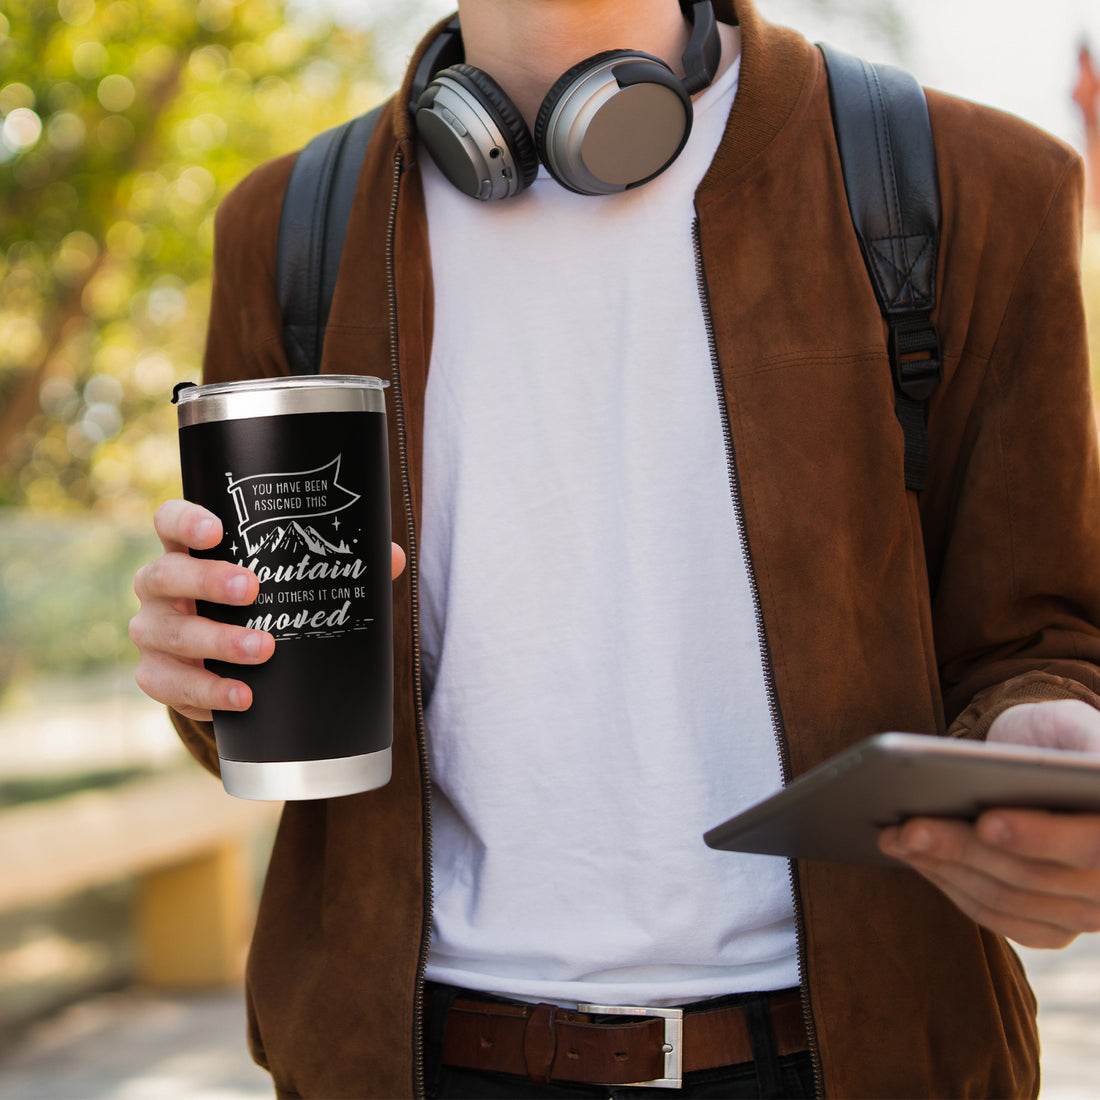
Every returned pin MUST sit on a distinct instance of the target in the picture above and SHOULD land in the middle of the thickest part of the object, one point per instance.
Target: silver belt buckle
(673, 1045)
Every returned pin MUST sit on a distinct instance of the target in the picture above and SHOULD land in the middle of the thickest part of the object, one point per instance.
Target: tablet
(836, 810)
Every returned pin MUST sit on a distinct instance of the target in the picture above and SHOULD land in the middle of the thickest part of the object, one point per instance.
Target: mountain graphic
(293, 540)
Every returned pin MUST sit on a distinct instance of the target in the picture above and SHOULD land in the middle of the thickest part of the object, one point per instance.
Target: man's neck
(525, 45)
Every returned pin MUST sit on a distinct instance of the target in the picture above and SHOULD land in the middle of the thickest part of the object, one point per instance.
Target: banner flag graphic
(263, 499)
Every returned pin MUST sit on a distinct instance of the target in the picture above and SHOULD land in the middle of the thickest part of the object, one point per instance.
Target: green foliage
(122, 125)
(66, 591)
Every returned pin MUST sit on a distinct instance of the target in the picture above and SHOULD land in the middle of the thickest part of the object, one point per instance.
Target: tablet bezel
(837, 810)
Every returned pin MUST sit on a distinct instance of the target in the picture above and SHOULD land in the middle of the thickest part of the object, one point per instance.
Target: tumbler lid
(253, 397)
(188, 391)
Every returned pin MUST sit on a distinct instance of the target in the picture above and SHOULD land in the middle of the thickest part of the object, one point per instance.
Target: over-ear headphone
(611, 122)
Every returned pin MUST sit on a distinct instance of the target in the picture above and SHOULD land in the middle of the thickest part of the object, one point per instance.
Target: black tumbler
(297, 470)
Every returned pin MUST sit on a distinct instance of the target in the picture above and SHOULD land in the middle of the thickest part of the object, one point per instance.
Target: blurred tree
(122, 124)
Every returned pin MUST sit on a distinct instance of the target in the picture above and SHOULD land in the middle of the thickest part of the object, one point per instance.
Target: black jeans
(767, 1077)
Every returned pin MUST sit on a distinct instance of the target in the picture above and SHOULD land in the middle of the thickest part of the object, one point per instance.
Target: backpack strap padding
(315, 213)
(888, 157)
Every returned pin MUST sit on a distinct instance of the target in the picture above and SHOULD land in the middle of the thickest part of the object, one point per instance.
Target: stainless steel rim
(280, 397)
(294, 780)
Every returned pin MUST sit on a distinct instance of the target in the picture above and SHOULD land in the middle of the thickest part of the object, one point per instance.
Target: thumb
(1054, 724)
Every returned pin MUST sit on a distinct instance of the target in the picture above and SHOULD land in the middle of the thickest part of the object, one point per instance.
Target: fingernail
(251, 644)
(995, 830)
(238, 697)
(238, 588)
(910, 843)
(919, 840)
(209, 530)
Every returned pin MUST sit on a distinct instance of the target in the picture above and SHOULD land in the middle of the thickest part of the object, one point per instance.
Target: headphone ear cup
(564, 82)
(475, 134)
(507, 117)
(612, 121)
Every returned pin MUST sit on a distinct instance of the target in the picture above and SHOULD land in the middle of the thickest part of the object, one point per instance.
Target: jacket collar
(776, 64)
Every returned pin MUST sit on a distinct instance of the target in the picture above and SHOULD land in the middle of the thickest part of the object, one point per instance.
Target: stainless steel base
(292, 780)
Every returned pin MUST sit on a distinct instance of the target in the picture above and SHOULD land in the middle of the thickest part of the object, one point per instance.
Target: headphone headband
(443, 51)
(704, 49)
(700, 60)
(611, 122)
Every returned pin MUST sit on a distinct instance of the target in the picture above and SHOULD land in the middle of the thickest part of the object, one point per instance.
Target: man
(660, 559)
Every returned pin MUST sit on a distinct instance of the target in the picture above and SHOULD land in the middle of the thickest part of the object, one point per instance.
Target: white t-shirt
(595, 694)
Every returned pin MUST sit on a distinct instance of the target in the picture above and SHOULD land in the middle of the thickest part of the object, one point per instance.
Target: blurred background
(128, 880)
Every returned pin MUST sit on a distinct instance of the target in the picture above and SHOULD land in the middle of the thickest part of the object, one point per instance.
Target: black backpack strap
(314, 218)
(884, 135)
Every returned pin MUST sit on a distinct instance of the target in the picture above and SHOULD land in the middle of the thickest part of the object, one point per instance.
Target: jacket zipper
(769, 678)
(762, 639)
(411, 565)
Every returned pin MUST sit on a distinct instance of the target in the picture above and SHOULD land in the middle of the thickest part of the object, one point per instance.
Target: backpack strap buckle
(915, 356)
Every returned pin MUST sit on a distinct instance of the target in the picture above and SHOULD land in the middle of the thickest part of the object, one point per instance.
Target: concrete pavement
(1067, 984)
(138, 1045)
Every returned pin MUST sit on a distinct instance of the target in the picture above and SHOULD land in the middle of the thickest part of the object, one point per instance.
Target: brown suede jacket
(879, 612)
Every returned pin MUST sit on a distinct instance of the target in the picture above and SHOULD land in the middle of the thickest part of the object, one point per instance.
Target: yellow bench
(183, 839)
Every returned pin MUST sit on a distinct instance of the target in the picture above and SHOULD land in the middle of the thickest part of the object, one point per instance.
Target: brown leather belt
(547, 1043)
